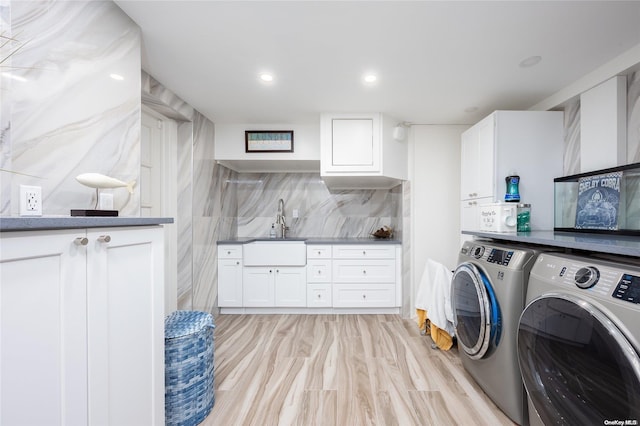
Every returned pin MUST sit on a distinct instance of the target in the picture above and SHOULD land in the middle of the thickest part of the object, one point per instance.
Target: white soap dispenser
(272, 232)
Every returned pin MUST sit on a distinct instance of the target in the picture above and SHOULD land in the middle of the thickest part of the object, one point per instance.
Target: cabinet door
(485, 173)
(477, 160)
(469, 164)
(230, 282)
(350, 143)
(258, 286)
(126, 325)
(43, 334)
(290, 286)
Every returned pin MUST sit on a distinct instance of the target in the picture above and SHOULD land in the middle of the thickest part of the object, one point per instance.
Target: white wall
(230, 142)
(434, 168)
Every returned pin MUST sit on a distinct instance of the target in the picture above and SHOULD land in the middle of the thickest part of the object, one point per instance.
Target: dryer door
(476, 312)
(577, 366)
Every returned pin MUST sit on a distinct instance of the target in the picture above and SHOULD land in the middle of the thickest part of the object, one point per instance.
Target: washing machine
(488, 292)
(579, 340)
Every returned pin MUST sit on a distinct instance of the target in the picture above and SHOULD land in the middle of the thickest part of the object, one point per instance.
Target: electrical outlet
(30, 200)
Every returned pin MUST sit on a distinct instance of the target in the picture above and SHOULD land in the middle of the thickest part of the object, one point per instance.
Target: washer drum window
(577, 366)
(476, 312)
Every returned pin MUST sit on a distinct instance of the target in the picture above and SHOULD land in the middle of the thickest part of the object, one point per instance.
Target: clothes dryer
(579, 341)
(488, 291)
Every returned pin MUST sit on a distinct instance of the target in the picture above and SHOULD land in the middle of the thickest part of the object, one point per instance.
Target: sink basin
(286, 252)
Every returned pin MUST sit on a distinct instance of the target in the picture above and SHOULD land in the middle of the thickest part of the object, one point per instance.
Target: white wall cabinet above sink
(358, 151)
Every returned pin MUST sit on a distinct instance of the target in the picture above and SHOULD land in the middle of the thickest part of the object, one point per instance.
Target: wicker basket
(188, 351)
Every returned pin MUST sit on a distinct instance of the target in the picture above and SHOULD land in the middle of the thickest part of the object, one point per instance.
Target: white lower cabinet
(230, 276)
(335, 276)
(273, 286)
(364, 276)
(82, 326)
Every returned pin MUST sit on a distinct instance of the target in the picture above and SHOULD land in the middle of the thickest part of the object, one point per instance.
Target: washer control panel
(628, 288)
(500, 257)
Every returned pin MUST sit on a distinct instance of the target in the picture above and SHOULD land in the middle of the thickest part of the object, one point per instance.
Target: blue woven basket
(188, 352)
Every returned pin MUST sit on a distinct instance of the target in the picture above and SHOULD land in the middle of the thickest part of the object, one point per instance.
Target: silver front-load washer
(488, 291)
(579, 341)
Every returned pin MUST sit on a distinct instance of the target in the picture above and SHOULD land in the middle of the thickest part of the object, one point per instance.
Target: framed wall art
(268, 140)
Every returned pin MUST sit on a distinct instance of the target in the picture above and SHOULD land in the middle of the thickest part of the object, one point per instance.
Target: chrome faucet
(281, 220)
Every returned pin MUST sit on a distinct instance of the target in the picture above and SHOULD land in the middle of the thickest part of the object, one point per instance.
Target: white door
(151, 140)
(43, 332)
(126, 326)
(158, 193)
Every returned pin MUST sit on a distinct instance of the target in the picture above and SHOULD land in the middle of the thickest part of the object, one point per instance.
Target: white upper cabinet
(358, 151)
(529, 143)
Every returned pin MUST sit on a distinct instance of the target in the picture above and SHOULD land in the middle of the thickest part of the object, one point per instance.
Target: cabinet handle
(277, 271)
(237, 262)
(228, 252)
(81, 241)
(270, 271)
(319, 252)
(319, 272)
(364, 253)
(319, 296)
(364, 271)
(364, 296)
(104, 238)
(473, 203)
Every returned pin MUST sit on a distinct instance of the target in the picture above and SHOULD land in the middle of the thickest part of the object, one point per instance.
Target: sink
(285, 252)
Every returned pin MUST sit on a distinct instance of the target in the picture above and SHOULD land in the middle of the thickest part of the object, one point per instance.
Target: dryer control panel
(628, 289)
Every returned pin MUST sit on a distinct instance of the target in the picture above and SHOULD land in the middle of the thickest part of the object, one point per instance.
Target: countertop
(313, 240)
(69, 222)
(599, 243)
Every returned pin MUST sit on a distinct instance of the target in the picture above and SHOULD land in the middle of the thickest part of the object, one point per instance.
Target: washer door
(577, 366)
(477, 316)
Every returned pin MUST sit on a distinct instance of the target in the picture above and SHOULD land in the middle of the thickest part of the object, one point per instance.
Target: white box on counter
(498, 217)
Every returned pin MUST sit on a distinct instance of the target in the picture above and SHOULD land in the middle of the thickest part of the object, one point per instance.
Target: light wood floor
(339, 370)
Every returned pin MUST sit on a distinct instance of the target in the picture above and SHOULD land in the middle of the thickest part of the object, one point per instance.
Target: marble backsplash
(322, 212)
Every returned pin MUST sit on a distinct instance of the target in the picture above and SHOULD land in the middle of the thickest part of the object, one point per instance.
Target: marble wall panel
(633, 118)
(322, 212)
(572, 138)
(6, 47)
(68, 116)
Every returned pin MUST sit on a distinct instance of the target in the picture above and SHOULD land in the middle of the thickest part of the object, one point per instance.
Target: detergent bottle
(513, 192)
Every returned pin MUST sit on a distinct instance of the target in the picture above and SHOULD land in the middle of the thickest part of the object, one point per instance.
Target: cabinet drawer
(319, 252)
(347, 251)
(319, 271)
(319, 296)
(230, 251)
(363, 296)
(364, 271)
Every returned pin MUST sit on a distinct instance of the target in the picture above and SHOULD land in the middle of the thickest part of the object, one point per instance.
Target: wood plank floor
(339, 370)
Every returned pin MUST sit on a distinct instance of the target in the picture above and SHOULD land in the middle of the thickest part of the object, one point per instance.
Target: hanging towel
(434, 298)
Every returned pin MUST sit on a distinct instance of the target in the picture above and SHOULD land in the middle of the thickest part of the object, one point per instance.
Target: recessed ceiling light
(266, 77)
(370, 78)
(116, 77)
(530, 61)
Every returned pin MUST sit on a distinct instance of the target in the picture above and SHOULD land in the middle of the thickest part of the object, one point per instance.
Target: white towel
(434, 295)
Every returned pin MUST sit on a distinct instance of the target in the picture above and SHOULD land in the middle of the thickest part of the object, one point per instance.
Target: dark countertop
(313, 240)
(599, 243)
(69, 222)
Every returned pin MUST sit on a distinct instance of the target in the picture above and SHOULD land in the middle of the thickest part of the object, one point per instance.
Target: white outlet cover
(30, 200)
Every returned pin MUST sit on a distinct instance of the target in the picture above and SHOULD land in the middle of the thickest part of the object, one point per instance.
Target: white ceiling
(434, 59)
